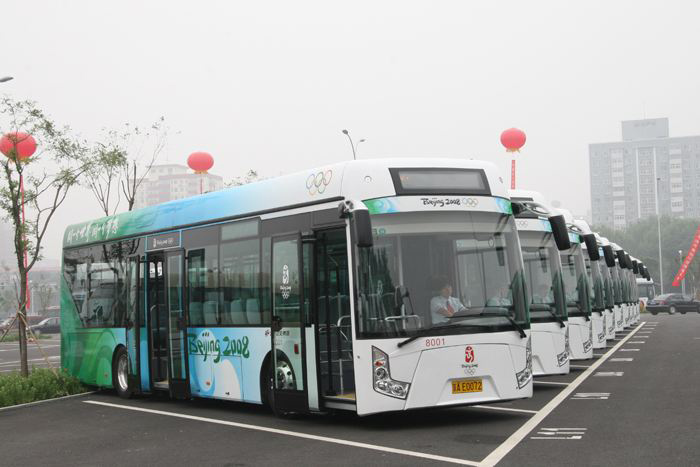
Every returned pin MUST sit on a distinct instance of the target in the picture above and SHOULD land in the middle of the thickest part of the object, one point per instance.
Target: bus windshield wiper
(545, 307)
(499, 311)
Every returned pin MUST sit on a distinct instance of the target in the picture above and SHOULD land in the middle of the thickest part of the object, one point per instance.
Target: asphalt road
(9, 354)
(624, 407)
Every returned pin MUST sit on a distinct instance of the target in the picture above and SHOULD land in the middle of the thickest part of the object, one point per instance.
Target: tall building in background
(173, 181)
(624, 174)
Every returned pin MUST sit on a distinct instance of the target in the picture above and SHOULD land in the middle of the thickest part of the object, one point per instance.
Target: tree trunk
(22, 312)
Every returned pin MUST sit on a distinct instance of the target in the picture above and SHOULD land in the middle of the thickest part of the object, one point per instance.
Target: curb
(29, 404)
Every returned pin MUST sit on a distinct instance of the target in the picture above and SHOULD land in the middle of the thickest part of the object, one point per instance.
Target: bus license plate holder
(463, 386)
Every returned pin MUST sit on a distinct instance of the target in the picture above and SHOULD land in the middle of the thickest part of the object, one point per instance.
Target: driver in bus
(444, 306)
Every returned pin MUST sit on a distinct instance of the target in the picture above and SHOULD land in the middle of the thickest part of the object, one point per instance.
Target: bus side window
(240, 282)
(202, 246)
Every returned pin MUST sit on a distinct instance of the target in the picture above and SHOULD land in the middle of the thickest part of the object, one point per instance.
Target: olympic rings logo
(522, 224)
(470, 202)
(317, 183)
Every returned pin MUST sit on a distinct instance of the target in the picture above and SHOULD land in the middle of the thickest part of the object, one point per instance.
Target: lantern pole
(28, 298)
(512, 174)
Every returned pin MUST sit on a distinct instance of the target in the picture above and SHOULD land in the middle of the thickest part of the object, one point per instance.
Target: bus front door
(288, 336)
(167, 327)
(133, 323)
(178, 374)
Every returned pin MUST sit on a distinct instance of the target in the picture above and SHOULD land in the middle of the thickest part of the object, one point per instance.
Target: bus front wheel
(120, 373)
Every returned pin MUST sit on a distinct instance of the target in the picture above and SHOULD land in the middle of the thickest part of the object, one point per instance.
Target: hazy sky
(269, 85)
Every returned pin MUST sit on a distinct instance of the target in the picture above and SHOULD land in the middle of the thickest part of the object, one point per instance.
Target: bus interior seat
(237, 314)
(252, 310)
(196, 316)
(210, 307)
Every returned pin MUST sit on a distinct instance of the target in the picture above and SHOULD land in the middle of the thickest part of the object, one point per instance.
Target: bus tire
(267, 383)
(120, 373)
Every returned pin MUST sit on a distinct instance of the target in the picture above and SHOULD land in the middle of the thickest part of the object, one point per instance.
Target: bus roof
(366, 179)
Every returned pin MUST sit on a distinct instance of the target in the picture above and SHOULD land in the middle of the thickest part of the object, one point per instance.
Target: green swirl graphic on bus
(207, 345)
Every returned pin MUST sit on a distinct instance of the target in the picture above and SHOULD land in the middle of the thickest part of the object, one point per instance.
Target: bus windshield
(543, 276)
(442, 273)
(646, 290)
(595, 281)
(575, 282)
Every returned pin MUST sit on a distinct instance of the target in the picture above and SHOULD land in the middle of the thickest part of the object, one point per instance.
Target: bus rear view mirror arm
(360, 222)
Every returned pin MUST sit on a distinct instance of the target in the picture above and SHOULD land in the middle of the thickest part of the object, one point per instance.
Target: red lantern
(17, 144)
(513, 139)
(200, 162)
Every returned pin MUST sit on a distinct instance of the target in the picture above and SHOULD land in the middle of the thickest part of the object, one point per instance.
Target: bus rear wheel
(120, 374)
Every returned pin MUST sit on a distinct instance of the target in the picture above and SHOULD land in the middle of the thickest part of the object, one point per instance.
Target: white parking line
(550, 383)
(579, 366)
(505, 409)
(621, 359)
(17, 349)
(501, 451)
(295, 434)
(637, 342)
(629, 350)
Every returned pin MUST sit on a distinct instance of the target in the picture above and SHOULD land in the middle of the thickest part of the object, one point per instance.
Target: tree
(641, 240)
(250, 177)
(44, 294)
(128, 155)
(48, 177)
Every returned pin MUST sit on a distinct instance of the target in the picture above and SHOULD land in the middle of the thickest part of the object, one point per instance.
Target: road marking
(17, 349)
(54, 357)
(554, 433)
(598, 355)
(553, 383)
(295, 434)
(579, 366)
(621, 359)
(637, 342)
(29, 404)
(609, 373)
(507, 409)
(629, 350)
(501, 451)
(591, 395)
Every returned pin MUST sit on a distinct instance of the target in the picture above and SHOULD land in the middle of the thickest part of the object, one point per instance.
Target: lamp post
(658, 227)
(353, 146)
(680, 259)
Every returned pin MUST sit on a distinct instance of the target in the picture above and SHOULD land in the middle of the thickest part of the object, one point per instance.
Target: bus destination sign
(164, 241)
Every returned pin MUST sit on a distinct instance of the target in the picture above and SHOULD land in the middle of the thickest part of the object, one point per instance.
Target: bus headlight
(524, 376)
(381, 376)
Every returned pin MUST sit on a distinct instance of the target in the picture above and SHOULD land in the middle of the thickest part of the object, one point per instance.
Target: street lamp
(5, 79)
(680, 260)
(352, 145)
(658, 227)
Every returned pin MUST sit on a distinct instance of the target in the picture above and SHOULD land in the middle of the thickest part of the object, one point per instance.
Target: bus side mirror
(360, 222)
(621, 259)
(591, 247)
(362, 226)
(609, 256)
(635, 267)
(560, 232)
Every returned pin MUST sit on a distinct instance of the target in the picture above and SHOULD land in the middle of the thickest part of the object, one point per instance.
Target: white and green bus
(366, 286)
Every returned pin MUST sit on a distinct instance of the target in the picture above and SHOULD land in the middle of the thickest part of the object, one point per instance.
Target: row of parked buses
(367, 286)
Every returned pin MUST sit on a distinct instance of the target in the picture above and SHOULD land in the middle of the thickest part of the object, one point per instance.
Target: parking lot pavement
(612, 410)
(9, 354)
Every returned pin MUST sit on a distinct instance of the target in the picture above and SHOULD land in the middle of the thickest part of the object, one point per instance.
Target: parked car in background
(673, 302)
(47, 326)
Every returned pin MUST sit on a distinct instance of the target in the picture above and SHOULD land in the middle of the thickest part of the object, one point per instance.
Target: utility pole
(658, 227)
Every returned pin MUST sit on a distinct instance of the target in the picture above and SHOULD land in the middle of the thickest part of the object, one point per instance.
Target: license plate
(460, 386)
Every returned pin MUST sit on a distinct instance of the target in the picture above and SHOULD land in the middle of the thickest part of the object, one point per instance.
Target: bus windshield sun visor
(560, 232)
(609, 256)
(591, 246)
